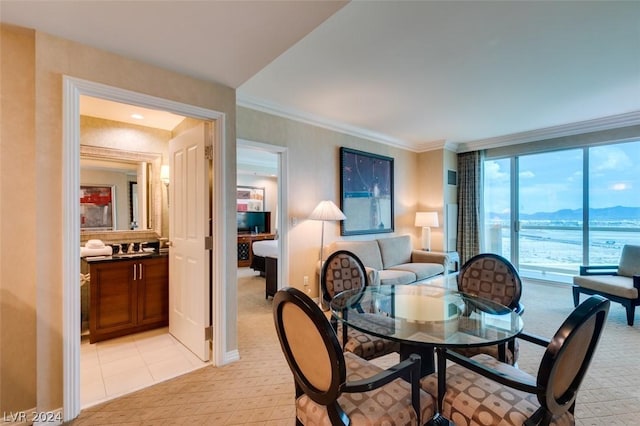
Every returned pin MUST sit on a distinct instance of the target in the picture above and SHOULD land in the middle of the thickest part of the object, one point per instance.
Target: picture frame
(366, 192)
(250, 199)
(97, 208)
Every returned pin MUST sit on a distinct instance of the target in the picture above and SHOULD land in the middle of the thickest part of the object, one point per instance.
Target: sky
(554, 181)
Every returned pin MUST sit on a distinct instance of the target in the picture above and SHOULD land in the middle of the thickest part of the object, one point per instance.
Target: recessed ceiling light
(137, 116)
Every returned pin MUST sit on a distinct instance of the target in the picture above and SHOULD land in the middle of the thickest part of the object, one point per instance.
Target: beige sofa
(393, 260)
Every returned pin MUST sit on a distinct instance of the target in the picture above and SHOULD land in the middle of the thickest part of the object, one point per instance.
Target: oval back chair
(476, 386)
(342, 271)
(493, 277)
(337, 388)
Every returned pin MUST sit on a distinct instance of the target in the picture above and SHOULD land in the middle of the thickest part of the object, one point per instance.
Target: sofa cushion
(395, 250)
(615, 285)
(367, 251)
(396, 277)
(421, 270)
(629, 261)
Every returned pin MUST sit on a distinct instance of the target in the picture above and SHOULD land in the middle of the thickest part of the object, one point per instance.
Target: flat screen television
(254, 222)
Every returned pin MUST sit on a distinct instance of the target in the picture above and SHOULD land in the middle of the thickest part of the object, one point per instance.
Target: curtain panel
(469, 185)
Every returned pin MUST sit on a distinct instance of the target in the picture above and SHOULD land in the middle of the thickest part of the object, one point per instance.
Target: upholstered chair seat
(382, 406)
(472, 399)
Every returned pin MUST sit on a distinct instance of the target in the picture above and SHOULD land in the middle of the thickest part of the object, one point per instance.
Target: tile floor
(125, 364)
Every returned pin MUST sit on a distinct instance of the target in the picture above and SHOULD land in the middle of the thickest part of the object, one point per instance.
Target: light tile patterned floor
(119, 366)
(258, 389)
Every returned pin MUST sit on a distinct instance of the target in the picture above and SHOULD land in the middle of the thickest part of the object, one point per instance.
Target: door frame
(282, 223)
(73, 88)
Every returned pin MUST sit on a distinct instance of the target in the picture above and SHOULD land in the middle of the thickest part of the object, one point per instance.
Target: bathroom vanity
(127, 294)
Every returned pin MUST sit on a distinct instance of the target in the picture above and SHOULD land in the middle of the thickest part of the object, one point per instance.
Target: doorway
(73, 89)
(264, 166)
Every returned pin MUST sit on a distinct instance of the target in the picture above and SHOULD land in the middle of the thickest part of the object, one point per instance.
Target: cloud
(527, 174)
(609, 158)
(492, 172)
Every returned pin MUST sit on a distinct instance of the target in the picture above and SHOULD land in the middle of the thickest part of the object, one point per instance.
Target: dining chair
(343, 271)
(336, 388)
(493, 277)
(483, 390)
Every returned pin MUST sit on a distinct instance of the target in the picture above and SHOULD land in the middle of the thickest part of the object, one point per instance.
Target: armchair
(619, 283)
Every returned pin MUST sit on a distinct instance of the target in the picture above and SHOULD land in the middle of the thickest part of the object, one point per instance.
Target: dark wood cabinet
(128, 296)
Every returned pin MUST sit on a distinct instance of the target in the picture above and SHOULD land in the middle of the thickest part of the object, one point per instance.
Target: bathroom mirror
(136, 196)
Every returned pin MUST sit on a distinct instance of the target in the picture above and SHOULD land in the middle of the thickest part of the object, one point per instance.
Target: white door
(189, 261)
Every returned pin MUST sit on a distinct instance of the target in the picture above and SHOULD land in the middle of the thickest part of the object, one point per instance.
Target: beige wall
(18, 263)
(434, 192)
(33, 65)
(313, 155)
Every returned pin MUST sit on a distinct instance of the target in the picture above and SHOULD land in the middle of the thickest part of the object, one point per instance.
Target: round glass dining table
(424, 317)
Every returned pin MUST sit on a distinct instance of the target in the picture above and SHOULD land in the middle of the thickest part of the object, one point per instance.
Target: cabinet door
(113, 296)
(153, 291)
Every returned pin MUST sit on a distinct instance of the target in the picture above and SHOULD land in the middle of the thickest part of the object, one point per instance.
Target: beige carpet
(258, 389)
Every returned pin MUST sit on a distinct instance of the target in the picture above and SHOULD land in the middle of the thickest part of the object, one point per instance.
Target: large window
(551, 212)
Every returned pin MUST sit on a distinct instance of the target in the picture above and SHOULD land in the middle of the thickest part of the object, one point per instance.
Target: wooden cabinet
(128, 296)
(245, 251)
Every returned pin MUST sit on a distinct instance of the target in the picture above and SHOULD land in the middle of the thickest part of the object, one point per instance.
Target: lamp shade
(429, 219)
(327, 210)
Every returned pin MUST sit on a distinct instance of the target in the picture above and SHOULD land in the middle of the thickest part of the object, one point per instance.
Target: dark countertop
(123, 257)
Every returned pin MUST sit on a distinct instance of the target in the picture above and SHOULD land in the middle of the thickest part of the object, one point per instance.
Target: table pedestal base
(427, 364)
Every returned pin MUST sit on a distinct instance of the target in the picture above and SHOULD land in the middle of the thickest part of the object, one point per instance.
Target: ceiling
(413, 74)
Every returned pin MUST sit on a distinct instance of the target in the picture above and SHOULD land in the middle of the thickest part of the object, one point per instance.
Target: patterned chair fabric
(485, 391)
(492, 277)
(334, 388)
(344, 271)
(382, 406)
(472, 399)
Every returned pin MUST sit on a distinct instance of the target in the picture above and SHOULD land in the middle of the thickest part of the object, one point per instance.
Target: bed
(265, 260)
(261, 250)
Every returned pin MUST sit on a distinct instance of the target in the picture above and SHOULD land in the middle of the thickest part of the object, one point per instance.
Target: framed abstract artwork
(366, 190)
(97, 207)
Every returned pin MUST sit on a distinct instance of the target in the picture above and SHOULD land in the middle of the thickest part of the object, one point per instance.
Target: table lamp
(426, 220)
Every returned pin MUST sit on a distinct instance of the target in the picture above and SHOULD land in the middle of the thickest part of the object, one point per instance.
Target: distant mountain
(605, 214)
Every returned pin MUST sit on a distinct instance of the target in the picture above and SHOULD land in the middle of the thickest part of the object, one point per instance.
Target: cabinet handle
(140, 272)
(134, 271)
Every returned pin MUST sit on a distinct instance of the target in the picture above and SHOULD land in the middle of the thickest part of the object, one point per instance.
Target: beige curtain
(469, 185)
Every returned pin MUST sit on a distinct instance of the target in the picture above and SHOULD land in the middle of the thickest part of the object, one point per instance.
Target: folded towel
(94, 244)
(104, 251)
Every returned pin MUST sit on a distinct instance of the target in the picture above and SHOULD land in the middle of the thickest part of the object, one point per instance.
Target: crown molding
(587, 126)
(604, 123)
(314, 120)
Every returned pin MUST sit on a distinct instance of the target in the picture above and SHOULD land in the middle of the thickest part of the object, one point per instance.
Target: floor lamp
(426, 220)
(326, 210)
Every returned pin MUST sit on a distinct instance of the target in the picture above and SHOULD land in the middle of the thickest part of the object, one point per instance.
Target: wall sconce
(426, 220)
(164, 175)
(164, 178)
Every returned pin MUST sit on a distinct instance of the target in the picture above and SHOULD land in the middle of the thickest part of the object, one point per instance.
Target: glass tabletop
(426, 315)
